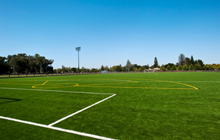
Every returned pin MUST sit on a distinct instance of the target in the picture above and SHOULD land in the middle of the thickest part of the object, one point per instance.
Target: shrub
(174, 67)
(212, 68)
(197, 66)
(135, 69)
(205, 67)
(162, 68)
(191, 67)
(185, 67)
(179, 67)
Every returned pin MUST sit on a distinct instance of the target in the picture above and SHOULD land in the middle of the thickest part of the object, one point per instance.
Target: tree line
(184, 63)
(23, 63)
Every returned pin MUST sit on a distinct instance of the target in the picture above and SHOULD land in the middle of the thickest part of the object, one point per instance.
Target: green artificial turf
(183, 105)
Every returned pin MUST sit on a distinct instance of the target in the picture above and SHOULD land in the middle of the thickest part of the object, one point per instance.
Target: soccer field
(124, 106)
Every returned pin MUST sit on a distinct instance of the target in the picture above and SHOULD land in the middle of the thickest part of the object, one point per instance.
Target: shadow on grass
(9, 100)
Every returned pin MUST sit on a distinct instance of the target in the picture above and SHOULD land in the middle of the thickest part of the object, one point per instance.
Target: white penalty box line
(64, 118)
(50, 126)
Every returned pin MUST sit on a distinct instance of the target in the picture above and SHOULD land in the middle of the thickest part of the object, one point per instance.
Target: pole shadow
(8, 100)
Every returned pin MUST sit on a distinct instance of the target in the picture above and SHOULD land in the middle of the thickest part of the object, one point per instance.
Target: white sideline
(79, 111)
(57, 128)
(56, 91)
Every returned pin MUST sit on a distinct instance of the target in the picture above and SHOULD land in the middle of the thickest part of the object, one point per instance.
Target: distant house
(156, 69)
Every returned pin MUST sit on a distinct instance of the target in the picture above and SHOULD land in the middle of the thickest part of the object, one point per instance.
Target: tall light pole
(14, 64)
(78, 49)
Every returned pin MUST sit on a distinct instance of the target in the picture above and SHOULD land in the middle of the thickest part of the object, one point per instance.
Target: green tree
(185, 67)
(83, 69)
(168, 67)
(181, 59)
(200, 62)
(211, 68)
(113, 68)
(179, 67)
(155, 62)
(140, 69)
(134, 69)
(128, 65)
(118, 68)
(191, 67)
(192, 60)
(145, 67)
(124, 68)
(21, 63)
(31, 64)
(197, 66)
(64, 69)
(102, 68)
(106, 68)
(73, 69)
(4, 66)
(174, 67)
(162, 68)
(187, 61)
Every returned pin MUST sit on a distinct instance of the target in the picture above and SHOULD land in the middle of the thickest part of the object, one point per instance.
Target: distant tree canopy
(181, 59)
(185, 67)
(169, 64)
(174, 67)
(23, 63)
(138, 68)
(179, 67)
(102, 67)
(128, 65)
(187, 61)
(155, 62)
(4, 67)
(192, 60)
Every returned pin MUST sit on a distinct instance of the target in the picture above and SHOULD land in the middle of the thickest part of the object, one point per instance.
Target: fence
(43, 75)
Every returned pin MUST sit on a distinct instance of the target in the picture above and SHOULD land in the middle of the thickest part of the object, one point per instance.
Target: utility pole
(78, 49)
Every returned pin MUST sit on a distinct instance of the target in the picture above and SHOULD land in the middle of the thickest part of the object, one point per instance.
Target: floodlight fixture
(78, 49)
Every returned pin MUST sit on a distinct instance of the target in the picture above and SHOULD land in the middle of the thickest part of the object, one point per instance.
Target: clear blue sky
(111, 31)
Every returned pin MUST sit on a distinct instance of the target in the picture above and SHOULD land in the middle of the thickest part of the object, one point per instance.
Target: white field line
(199, 81)
(57, 128)
(180, 81)
(55, 91)
(80, 111)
